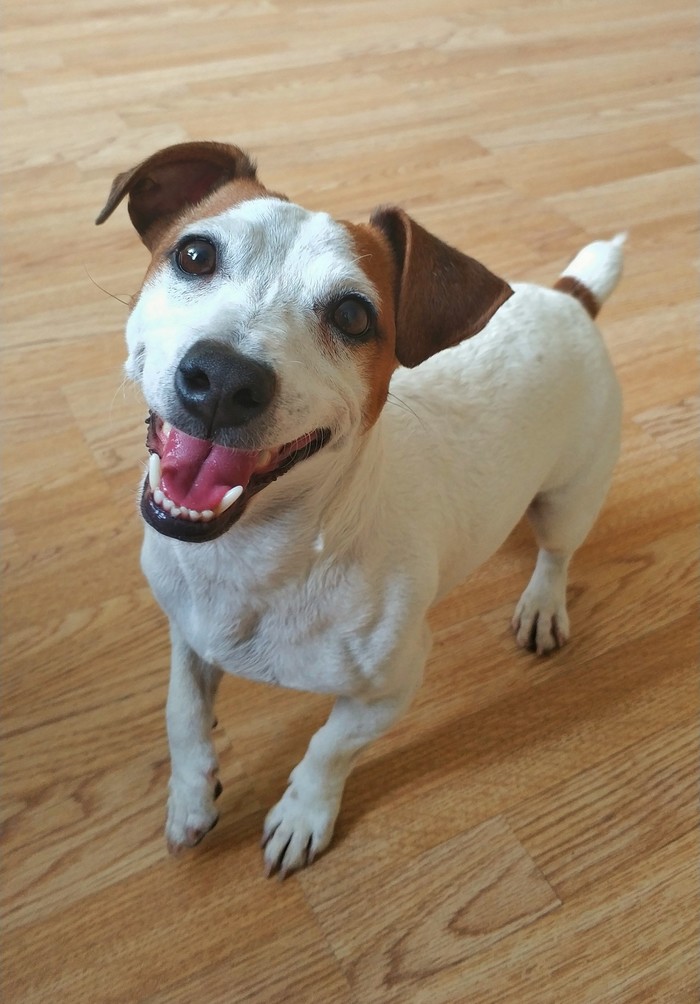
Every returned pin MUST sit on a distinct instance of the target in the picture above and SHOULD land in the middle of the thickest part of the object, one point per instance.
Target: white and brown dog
(331, 451)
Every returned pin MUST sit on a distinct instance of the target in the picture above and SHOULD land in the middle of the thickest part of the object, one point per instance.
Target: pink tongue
(197, 474)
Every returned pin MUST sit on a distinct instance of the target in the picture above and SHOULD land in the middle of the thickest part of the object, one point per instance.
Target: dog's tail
(593, 274)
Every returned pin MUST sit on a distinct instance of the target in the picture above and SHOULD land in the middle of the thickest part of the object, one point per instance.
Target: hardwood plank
(464, 939)
(582, 951)
(172, 920)
(297, 967)
(674, 426)
(72, 838)
(488, 889)
(625, 808)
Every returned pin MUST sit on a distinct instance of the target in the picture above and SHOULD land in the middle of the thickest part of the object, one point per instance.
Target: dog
(345, 421)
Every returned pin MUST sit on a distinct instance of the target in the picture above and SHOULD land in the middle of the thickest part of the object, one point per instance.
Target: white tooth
(263, 460)
(207, 515)
(166, 429)
(175, 511)
(158, 497)
(154, 471)
(231, 496)
(194, 514)
(167, 503)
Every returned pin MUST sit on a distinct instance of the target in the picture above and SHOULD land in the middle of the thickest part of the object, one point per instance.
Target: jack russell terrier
(331, 451)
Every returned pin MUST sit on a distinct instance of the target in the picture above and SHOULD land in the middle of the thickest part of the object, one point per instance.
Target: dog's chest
(320, 632)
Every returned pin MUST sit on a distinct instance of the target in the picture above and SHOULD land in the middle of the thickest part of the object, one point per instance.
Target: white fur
(326, 581)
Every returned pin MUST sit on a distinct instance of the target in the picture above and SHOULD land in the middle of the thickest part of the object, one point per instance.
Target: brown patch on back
(376, 357)
(574, 287)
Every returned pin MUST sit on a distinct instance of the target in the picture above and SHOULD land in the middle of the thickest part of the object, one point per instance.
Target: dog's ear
(176, 177)
(442, 295)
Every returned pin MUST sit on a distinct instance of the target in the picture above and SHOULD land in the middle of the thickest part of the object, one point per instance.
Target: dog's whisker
(125, 387)
(127, 303)
(399, 403)
(360, 258)
(121, 389)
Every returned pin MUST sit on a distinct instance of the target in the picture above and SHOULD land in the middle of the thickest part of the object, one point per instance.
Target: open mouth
(196, 489)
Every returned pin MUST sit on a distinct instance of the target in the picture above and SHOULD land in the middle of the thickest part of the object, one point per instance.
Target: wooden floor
(528, 833)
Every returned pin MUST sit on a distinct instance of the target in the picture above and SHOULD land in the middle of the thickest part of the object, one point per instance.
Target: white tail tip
(597, 267)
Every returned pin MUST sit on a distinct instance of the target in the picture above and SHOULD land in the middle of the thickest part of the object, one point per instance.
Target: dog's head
(265, 334)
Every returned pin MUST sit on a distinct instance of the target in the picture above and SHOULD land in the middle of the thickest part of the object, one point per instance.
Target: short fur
(324, 579)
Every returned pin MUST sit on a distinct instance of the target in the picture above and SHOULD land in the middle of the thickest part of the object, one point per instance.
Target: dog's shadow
(477, 756)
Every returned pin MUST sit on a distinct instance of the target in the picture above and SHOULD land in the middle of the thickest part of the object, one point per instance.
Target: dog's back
(512, 413)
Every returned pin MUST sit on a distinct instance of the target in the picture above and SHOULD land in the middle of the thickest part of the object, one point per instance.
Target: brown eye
(196, 257)
(352, 317)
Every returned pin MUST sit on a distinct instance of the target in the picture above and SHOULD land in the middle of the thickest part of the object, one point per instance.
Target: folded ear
(160, 187)
(442, 295)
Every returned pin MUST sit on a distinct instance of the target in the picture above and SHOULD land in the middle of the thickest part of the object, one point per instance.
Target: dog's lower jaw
(179, 529)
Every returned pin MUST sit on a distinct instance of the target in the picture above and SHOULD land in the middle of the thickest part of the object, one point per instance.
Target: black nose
(222, 387)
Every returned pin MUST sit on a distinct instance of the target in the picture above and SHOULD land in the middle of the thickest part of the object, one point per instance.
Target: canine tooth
(207, 515)
(158, 497)
(166, 429)
(154, 471)
(231, 496)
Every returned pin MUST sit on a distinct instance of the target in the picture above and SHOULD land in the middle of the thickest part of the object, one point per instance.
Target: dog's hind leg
(194, 785)
(562, 519)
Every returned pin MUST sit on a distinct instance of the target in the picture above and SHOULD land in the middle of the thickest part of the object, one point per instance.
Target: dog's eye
(196, 257)
(352, 317)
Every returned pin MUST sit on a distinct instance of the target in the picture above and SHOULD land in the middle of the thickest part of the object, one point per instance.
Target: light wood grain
(529, 832)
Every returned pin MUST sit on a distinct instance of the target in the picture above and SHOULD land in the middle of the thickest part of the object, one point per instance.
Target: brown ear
(442, 295)
(172, 179)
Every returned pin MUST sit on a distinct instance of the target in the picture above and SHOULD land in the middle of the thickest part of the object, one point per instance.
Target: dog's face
(265, 334)
(257, 332)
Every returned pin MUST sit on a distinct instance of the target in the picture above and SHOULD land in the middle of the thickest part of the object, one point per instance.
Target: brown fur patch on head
(228, 195)
(233, 193)
(377, 356)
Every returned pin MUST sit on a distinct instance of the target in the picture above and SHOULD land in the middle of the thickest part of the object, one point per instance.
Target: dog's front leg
(194, 785)
(301, 825)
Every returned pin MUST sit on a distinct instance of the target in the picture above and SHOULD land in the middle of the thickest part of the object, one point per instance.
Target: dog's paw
(296, 830)
(191, 813)
(540, 622)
